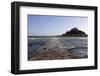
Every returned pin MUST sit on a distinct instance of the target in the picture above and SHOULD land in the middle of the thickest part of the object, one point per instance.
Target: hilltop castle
(75, 32)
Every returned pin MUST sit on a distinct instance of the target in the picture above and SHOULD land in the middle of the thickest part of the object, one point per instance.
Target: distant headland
(75, 32)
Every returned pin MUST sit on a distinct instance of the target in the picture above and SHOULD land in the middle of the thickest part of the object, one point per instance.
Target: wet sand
(52, 50)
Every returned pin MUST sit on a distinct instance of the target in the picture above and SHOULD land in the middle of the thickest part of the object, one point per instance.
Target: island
(75, 32)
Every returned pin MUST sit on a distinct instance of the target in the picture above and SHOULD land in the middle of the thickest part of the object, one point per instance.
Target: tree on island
(75, 32)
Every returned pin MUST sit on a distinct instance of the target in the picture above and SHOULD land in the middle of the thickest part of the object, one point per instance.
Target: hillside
(75, 32)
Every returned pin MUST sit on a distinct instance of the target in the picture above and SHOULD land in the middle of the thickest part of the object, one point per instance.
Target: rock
(75, 32)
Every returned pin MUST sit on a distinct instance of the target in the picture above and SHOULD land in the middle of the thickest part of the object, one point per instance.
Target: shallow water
(80, 52)
(77, 46)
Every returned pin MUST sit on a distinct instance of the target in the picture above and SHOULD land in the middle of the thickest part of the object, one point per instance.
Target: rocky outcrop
(75, 32)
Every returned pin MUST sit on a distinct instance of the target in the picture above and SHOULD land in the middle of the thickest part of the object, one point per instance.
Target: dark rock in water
(45, 48)
(75, 32)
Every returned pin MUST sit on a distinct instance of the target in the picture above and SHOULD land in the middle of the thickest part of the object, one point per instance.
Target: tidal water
(77, 46)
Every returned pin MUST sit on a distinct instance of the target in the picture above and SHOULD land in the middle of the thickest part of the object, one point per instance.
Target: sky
(46, 25)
